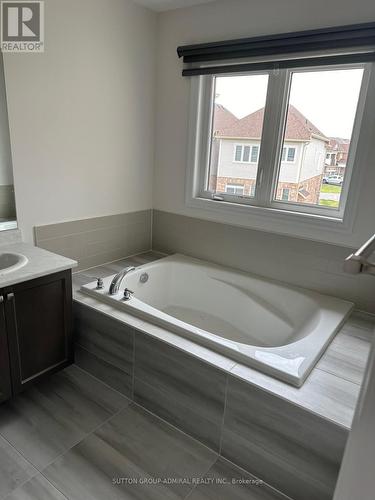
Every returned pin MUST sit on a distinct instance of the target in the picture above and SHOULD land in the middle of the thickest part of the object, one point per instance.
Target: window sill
(309, 226)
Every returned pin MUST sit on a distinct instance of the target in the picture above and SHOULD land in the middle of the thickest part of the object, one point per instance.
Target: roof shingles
(298, 127)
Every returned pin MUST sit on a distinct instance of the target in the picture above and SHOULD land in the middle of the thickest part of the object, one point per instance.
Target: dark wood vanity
(35, 331)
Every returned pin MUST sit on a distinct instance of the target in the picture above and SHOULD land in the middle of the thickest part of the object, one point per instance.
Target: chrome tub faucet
(116, 282)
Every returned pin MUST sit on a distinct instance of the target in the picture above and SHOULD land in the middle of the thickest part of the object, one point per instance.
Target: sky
(327, 98)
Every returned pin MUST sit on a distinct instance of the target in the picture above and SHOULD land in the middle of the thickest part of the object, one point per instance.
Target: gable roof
(298, 127)
(223, 118)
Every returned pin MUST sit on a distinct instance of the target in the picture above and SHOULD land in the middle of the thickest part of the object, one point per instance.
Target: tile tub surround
(181, 389)
(309, 264)
(98, 240)
(276, 442)
(326, 392)
(105, 348)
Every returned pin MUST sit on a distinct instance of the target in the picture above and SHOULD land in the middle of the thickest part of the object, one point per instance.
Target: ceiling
(163, 5)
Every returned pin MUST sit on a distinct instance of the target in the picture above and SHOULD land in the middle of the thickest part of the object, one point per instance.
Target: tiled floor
(72, 437)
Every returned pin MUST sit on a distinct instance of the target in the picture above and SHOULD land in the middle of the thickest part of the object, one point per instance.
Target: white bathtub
(272, 327)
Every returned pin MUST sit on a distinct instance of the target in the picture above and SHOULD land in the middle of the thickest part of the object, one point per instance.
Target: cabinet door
(38, 317)
(5, 384)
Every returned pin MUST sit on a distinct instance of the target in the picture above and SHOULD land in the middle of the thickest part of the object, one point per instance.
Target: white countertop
(40, 263)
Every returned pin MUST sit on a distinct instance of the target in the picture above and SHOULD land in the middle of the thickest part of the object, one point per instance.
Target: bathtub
(275, 328)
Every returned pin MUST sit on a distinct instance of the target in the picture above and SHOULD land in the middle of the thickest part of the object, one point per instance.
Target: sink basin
(10, 262)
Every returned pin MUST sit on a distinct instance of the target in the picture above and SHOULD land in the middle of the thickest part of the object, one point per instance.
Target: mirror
(8, 219)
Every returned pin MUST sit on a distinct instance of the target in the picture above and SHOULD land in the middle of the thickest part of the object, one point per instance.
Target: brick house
(336, 156)
(236, 149)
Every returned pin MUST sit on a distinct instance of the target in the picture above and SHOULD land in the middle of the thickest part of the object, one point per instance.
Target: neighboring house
(336, 156)
(236, 149)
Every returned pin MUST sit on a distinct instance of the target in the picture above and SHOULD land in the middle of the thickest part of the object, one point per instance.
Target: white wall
(230, 19)
(228, 167)
(313, 161)
(82, 114)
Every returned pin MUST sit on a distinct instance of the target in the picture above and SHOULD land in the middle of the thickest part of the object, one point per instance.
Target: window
(246, 154)
(285, 194)
(236, 189)
(288, 154)
(274, 132)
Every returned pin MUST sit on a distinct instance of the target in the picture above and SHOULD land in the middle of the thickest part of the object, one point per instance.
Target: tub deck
(332, 388)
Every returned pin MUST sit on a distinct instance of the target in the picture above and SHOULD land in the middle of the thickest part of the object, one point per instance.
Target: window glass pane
(254, 154)
(320, 118)
(246, 153)
(238, 155)
(291, 154)
(237, 117)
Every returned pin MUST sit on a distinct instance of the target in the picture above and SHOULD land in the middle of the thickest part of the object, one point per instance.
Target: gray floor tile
(225, 481)
(38, 488)
(180, 388)
(49, 418)
(14, 469)
(136, 445)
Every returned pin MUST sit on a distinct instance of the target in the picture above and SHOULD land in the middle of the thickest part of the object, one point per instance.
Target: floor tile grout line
(202, 476)
(331, 372)
(134, 403)
(88, 434)
(283, 495)
(101, 381)
(129, 375)
(166, 393)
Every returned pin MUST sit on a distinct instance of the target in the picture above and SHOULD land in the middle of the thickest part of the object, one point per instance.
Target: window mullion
(272, 134)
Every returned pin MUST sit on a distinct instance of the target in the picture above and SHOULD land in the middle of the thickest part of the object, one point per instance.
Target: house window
(288, 154)
(236, 189)
(268, 120)
(285, 194)
(246, 154)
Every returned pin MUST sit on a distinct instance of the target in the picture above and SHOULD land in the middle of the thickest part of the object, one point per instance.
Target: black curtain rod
(284, 64)
(353, 35)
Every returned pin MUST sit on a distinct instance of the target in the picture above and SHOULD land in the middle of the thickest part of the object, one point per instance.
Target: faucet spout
(117, 280)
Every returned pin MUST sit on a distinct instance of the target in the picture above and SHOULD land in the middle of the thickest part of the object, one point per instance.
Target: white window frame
(274, 212)
(287, 154)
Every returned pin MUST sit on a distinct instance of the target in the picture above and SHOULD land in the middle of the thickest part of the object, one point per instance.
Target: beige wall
(231, 19)
(82, 114)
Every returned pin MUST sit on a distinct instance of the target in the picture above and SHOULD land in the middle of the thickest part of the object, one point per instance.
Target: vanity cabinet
(5, 384)
(36, 330)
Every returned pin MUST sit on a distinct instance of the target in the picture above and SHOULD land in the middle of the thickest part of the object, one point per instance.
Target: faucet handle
(128, 294)
(99, 283)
